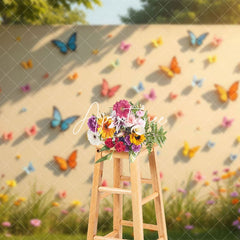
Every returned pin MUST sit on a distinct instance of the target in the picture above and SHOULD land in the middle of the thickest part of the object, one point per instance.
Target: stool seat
(99, 192)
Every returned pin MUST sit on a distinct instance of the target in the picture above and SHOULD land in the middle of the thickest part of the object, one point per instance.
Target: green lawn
(149, 236)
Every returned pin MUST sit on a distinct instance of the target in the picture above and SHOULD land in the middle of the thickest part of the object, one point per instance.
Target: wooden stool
(99, 192)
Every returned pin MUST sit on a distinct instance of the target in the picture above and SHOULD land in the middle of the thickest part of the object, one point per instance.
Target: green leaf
(132, 156)
(104, 148)
(107, 157)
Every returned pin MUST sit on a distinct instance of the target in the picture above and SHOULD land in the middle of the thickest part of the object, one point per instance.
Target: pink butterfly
(62, 194)
(7, 136)
(151, 96)
(124, 46)
(46, 75)
(227, 122)
(216, 41)
(26, 88)
(31, 131)
(173, 95)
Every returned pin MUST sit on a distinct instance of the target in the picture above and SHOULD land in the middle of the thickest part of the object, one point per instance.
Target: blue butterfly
(233, 157)
(57, 120)
(139, 88)
(71, 44)
(211, 144)
(197, 41)
(30, 168)
(197, 82)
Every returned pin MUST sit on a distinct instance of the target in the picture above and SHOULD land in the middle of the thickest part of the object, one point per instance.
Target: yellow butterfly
(212, 59)
(157, 42)
(189, 152)
(95, 51)
(27, 64)
(238, 139)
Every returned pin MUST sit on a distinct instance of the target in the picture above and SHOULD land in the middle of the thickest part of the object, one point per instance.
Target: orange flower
(104, 127)
(178, 219)
(55, 204)
(222, 190)
(235, 201)
(207, 183)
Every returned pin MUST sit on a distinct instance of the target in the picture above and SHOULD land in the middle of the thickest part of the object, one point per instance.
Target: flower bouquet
(125, 129)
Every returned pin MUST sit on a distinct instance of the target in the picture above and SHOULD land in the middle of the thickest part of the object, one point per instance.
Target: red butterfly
(106, 91)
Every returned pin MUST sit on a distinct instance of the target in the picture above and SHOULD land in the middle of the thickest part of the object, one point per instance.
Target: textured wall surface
(201, 121)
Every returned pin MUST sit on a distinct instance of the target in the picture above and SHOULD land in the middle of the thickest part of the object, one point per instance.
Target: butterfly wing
(30, 168)
(222, 93)
(139, 88)
(57, 118)
(174, 66)
(105, 88)
(232, 92)
(61, 45)
(167, 71)
(72, 163)
(193, 151)
(201, 38)
(62, 163)
(193, 38)
(113, 90)
(71, 44)
(152, 95)
(155, 43)
(66, 123)
(185, 150)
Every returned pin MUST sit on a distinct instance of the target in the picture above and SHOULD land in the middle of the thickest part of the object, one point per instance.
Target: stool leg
(158, 201)
(136, 200)
(94, 205)
(117, 198)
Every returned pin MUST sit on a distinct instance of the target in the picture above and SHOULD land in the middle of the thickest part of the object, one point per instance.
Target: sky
(110, 11)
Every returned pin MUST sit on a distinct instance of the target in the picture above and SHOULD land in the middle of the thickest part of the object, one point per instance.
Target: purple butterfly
(124, 46)
(26, 88)
(227, 122)
(151, 96)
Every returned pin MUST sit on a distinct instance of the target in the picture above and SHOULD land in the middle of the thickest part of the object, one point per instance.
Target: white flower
(141, 122)
(94, 138)
(138, 129)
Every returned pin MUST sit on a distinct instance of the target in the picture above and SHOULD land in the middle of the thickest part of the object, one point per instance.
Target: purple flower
(234, 194)
(92, 124)
(127, 140)
(181, 190)
(210, 202)
(126, 148)
(136, 148)
(235, 223)
(239, 210)
(189, 227)
(216, 179)
(215, 172)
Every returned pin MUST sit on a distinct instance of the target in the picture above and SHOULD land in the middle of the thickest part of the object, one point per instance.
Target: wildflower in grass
(235, 201)
(75, 203)
(198, 177)
(165, 189)
(207, 183)
(178, 219)
(11, 183)
(226, 170)
(64, 212)
(215, 172)
(234, 194)
(3, 198)
(35, 222)
(126, 183)
(108, 209)
(62, 194)
(237, 185)
(210, 202)
(222, 190)
(236, 223)
(239, 210)
(82, 209)
(39, 193)
(181, 190)
(8, 235)
(19, 201)
(216, 179)
(55, 204)
(188, 214)
(6, 224)
(189, 227)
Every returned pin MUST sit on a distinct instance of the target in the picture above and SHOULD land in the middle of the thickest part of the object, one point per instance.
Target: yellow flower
(178, 219)
(104, 129)
(3, 198)
(55, 204)
(76, 203)
(11, 183)
(137, 139)
(165, 189)
(207, 183)
(19, 201)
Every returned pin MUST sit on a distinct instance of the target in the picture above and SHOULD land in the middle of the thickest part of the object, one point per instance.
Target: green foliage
(185, 12)
(43, 11)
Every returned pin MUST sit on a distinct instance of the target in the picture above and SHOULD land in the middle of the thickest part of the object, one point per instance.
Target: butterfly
(27, 65)
(230, 94)
(46, 75)
(104, 183)
(212, 59)
(197, 82)
(151, 117)
(172, 95)
(116, 63)
(95, 51)
(211, 144)
(216, 41)
(174, 68)
(71, 44)
(109, 35)
(124, 46)
(197, 41)
(73, 77)
(109, 92)
(189, 152)
(139, 88)
(227, 122)
(140, 61)
(58, 122)
(157, 42)
(151, 95)
(31, 131)
(178, 114)
(30, 168)
(26, 88)
(7, 136)
(23, 110)
(233, 157)
(69, 163)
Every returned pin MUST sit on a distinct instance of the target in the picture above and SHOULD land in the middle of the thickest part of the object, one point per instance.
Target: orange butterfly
(178, 114)
(151, 117)
(174, 68)
(172, 95)
(106, 91)
(73, 76)
(231, 94)
(140, 61)
(27, 64)
(70, 162)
